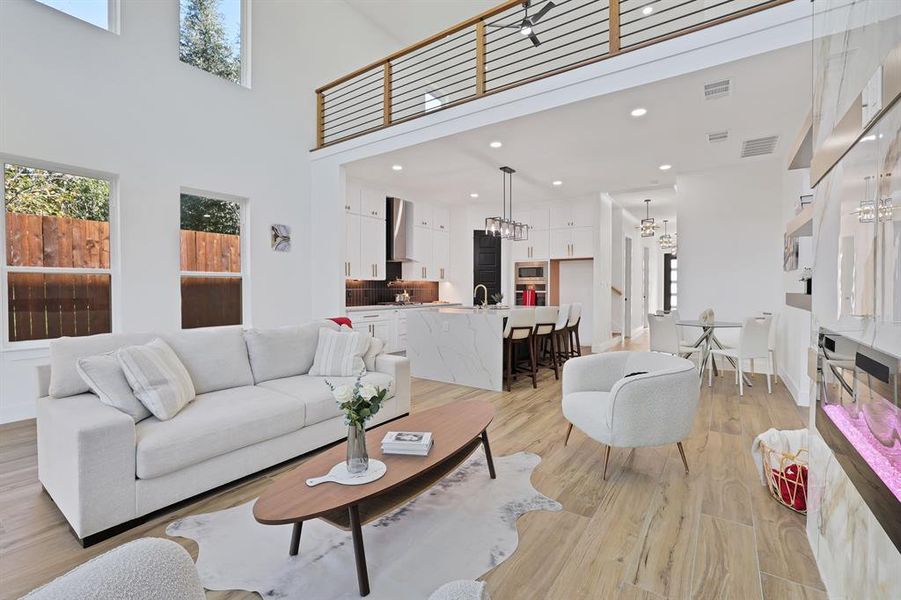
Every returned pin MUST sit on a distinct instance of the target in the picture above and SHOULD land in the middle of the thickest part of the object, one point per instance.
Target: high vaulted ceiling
(596, 146)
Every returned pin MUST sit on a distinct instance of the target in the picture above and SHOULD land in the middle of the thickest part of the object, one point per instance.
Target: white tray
(338, 474)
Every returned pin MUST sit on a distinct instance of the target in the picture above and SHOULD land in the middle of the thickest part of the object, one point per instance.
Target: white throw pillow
(376, 345)
(340, 354)
(105, 377)
(158, 378)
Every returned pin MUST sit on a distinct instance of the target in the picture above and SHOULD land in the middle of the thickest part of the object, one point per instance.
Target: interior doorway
(645, 284)
(627, 288)
(486, 264)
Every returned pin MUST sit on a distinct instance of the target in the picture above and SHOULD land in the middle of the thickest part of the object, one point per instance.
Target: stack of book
(415, 443)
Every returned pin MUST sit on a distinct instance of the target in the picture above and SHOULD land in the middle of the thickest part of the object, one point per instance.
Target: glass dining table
(708, 340)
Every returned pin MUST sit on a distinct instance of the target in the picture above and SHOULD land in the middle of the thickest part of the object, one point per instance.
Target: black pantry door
(486, 264)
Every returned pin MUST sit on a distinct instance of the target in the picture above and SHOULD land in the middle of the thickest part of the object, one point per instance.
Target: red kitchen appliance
(529, 297)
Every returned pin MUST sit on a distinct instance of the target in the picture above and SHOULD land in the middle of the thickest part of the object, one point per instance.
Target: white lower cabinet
(379, 324)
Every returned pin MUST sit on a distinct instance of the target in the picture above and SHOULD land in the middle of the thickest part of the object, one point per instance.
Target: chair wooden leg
(578, 341)
(682, 454)
(553, 342)
(533, 363)
(606, 460)
(569, 430)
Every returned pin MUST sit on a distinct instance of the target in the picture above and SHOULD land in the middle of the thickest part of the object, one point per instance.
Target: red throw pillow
(342, 321)
(793, 486)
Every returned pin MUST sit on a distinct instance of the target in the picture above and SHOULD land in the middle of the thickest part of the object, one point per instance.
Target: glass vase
(357, 457)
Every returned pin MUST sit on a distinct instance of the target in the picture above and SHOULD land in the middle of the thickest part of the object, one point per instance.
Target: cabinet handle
(376, 269)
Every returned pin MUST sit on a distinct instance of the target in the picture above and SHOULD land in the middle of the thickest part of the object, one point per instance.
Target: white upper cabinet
(538, 219)
(372, 203)
(582, 242)
(352, 250)
(440, 255)
(572, 215)
(422, 215)
(372, 247)
(440, 219)
(539, 245)
(560, 242)
(352, 198)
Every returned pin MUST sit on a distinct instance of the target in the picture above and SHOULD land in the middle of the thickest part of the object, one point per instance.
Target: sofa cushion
(158, 378)
(316, 395)
(589, 411)
(65, 352)
(283, 351)
(107, 380)
(216, 358)
(340, 353)
(376, 346)
(213, 424)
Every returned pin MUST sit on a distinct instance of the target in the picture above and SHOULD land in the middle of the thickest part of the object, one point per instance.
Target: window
(211, 272)
(57, 267)
(96, 12)
(211, 37)
(670, 278)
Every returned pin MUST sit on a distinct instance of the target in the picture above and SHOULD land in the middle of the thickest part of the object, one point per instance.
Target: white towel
(784, 440)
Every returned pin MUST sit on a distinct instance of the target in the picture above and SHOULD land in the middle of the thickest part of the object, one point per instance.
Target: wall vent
(759, 146)
(717, 89)
(717, 136)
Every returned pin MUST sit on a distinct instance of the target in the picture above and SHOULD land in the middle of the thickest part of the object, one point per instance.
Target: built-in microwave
(531, 272)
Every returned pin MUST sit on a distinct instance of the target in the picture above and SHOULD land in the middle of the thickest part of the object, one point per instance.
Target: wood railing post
(387, 93)
(480, 58)
(614, 26)
(320, 119)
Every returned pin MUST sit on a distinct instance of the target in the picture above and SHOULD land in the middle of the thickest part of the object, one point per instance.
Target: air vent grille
(717, 136)
(759, 146)
(717, 89)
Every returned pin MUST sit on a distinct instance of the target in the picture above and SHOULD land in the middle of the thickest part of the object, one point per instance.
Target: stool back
(562, 317)
(520, 323)
(545, 319)
(575, 313)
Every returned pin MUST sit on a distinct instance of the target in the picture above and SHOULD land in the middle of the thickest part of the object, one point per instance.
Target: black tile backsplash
(358, 292)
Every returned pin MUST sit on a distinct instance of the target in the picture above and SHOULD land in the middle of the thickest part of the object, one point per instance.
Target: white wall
(730, 241)
(124, 104)
(617, 264)
(577, 285)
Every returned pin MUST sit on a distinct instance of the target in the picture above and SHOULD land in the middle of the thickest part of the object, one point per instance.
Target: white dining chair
(520, 330)
(753, 343)
(665, 337)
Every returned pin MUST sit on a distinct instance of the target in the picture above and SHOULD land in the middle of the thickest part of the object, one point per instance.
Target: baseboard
(801, 397)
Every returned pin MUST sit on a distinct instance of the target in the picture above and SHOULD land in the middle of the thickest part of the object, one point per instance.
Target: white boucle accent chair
(651, 409)
(256, 407)
(145, 569)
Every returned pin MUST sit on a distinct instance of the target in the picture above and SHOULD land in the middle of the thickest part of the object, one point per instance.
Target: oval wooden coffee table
(457, 430)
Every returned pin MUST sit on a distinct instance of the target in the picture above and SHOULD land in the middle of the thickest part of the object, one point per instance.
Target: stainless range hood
(399, 214)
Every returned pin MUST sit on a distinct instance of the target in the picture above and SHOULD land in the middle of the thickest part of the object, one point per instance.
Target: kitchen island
(458, 345)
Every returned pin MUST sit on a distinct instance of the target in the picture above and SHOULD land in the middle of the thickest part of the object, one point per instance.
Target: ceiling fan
(525, 26)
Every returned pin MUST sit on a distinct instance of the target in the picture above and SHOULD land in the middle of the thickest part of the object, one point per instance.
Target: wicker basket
(786, 476)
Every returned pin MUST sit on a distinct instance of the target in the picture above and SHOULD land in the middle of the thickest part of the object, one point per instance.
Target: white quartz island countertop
(462, 345)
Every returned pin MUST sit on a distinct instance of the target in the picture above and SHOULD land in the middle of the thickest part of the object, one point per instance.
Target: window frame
(113, 14)
(113, 271)
(243, 275)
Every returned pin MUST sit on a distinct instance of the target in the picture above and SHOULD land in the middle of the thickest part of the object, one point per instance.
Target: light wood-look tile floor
(650, 531)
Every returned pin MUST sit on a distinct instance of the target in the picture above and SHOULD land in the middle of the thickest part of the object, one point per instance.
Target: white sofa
(255, 407)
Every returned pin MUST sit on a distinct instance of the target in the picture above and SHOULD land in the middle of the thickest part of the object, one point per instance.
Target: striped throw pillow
(158, 378)
(340, 354)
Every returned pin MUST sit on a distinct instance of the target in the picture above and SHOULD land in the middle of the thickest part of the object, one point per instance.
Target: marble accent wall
(857, 275)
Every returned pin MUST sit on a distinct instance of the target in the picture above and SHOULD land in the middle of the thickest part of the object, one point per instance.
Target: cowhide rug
(459, 529)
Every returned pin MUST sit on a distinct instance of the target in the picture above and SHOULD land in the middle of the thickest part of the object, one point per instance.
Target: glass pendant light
(647, 224)
(504, 226)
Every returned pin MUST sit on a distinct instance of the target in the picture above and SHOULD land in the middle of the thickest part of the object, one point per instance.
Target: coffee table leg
(295, 538)
(488, 453)
(359, 554)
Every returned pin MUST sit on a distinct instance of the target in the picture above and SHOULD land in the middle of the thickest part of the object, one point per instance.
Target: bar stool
(545, 323)
(561, 334)
(520, 330)
(572, 326)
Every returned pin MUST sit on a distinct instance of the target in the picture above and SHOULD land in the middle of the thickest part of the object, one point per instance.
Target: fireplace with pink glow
(858, 414)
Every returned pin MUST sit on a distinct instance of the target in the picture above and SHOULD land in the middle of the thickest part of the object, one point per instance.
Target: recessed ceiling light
(398, 167)
(557, 182)
(495, 144)
(665, 167)
(639, 112)
(473, 195)
(868, 138)
(647, 10)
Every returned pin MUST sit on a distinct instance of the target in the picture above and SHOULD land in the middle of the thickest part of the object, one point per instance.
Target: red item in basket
(529, 297)
(793, 486)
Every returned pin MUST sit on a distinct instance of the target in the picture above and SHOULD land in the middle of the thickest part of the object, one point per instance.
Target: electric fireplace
(858, 414)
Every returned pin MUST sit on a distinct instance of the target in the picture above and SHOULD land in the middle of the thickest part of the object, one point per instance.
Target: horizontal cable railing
(497, 50)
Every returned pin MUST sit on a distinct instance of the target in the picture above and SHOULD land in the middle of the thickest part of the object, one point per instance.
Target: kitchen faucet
(476, 289)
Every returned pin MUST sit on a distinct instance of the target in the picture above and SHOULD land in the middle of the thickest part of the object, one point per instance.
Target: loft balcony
(510, 45)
